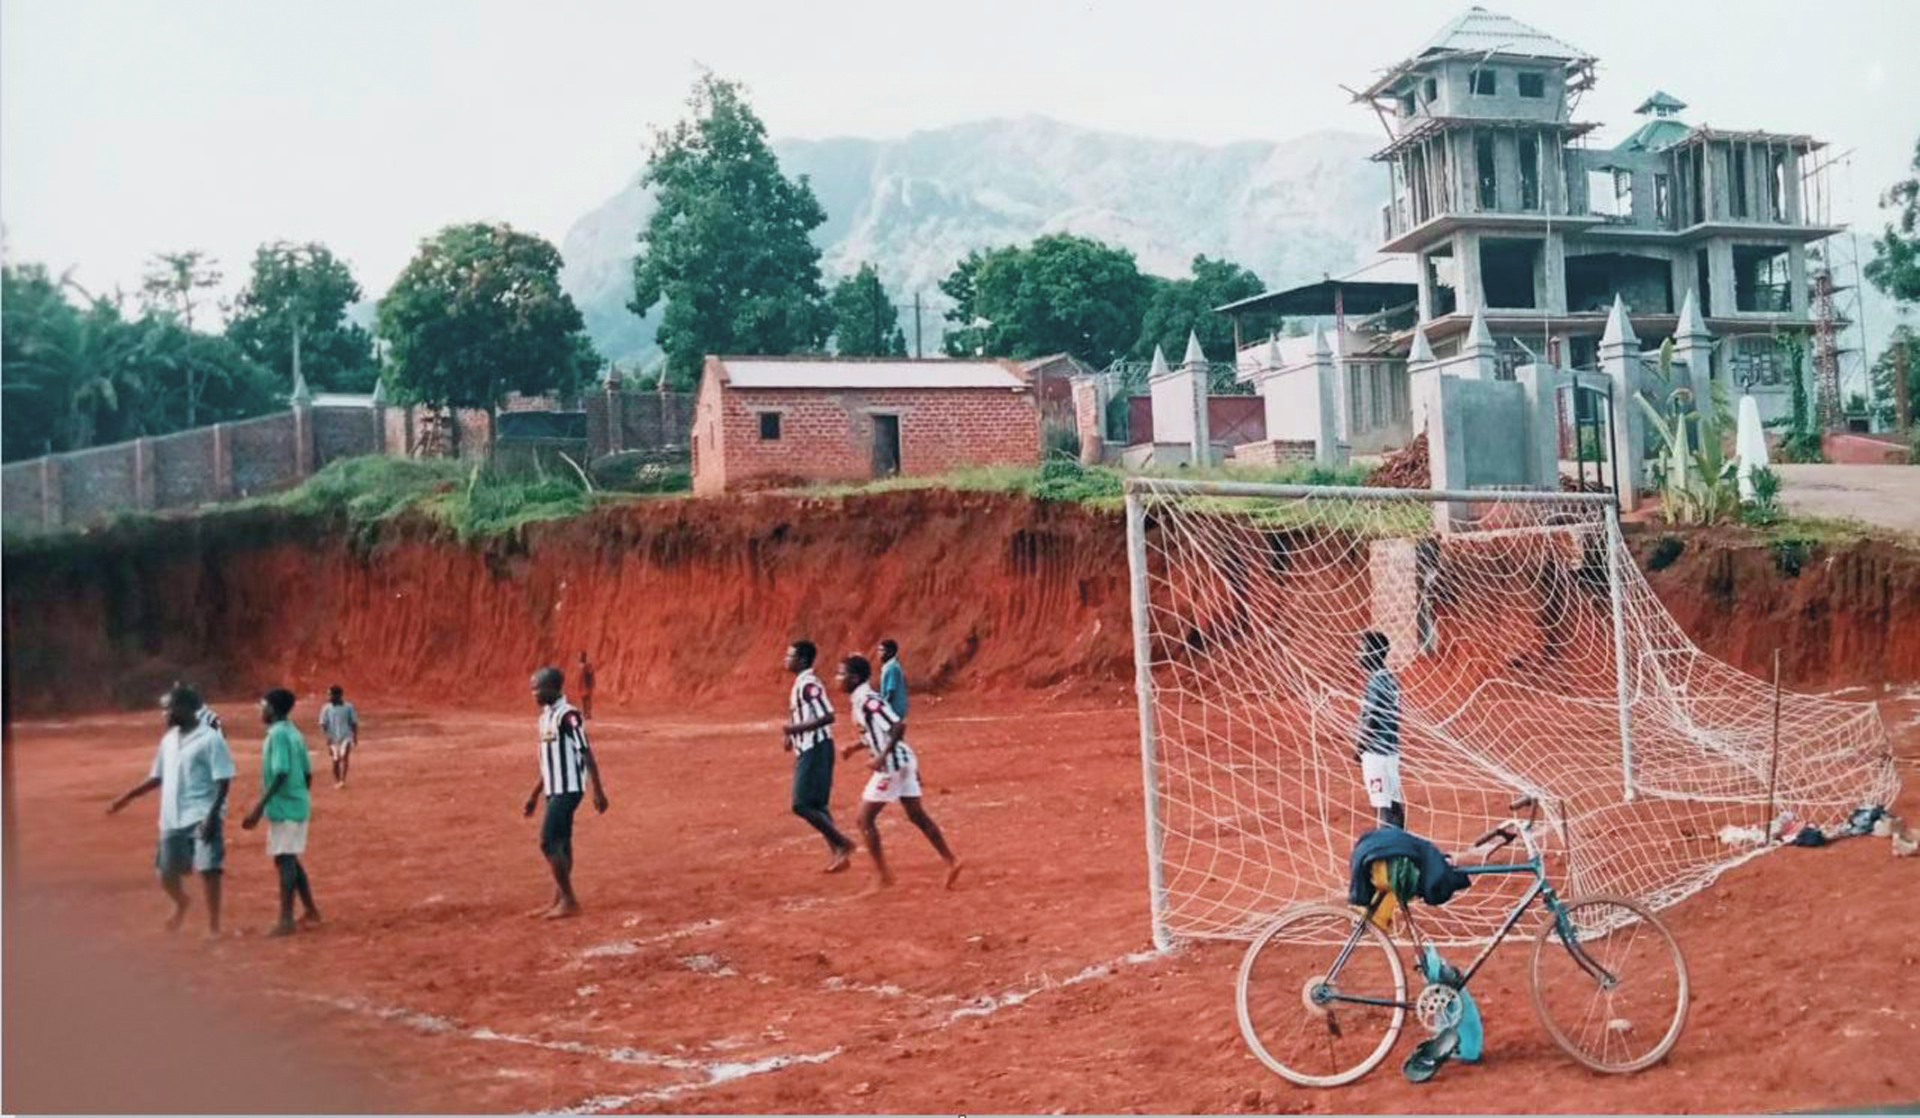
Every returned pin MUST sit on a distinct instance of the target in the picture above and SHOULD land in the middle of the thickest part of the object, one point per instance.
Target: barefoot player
(341, 725)
(896, 772)
(192, 769)
(1377, 739)
(807, 737)
(565, 765)
(286, 778)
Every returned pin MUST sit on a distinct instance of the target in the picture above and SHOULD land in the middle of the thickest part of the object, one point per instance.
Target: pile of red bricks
(1405, 468)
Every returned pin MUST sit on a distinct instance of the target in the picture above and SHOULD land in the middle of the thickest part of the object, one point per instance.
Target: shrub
(1060, 442)
(1067, 480)
(1665, 550)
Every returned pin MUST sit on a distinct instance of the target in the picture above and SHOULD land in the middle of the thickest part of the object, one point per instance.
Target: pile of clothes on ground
(1867, 819)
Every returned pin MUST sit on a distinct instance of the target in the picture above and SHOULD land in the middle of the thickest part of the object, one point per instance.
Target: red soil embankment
(678, 599)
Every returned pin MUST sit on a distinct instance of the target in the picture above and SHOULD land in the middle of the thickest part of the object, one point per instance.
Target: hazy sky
(128, 128)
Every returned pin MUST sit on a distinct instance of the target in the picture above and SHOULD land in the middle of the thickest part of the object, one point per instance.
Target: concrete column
(143, 487)
(1553, 269)
(51, 503)
(303, 450)
(222, 464)
(1692, 344)
(1174, 421)
(1620, 361)
(1194, 364)
(616, 419)
(1469, 296)
(1446, 447)
(1797, 279)
(1326, 442)
(1542, 386)
(1720, 276)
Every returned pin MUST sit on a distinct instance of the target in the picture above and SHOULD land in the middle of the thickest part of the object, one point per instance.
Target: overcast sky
(128, 128)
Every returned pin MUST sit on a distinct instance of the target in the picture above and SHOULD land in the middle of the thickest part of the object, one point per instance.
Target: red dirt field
(713, 950)
(716, 969)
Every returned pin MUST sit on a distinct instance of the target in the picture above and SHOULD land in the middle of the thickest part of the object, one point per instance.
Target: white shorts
(1382, 775)
(884, 788)
(339, 749)
(288, 837)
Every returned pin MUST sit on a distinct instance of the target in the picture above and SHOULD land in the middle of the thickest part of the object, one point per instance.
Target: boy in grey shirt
(341, 724)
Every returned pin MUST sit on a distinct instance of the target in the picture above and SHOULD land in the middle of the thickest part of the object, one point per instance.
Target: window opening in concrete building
(1663, 200)
(1485, 84)
(1583, 352)
(1416, 174)
(1432, 90)
(1489, 183)
(886, 445)
(1698, 160)
(1757, 361)
(770, 426)
(1703, 280)
(1604, 193)
(1761, 281)
(1509, 354)
(1777, 184)
(1529, 172)
(1406, 103)
(1737, 180)
(1530, 84)
(1507, 271)
(1644, 283)
(1443, 281)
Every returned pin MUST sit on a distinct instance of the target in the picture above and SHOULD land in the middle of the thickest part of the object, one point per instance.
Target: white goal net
(1531, 657)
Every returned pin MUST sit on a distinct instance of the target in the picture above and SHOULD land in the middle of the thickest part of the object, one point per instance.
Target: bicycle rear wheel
(1615, 998)
(1317, 1041)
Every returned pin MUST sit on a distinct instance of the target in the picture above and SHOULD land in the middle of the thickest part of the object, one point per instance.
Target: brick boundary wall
(1274, 452)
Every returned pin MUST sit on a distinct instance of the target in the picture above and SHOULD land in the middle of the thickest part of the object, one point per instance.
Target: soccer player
(807, 737)
(1377, 745)
(341, 724)
(565, 764)
(286, 775)
(586, 687)
(192, 769)
(896, 772)
(893, 680)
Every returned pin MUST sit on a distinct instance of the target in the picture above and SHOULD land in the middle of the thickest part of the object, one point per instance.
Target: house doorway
(886, 445)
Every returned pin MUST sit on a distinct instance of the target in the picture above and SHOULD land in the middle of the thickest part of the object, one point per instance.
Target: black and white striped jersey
(877, 720)
(563, 748)
(807, 703)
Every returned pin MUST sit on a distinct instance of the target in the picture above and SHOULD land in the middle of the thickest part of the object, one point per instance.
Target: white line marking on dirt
(717, 1073)
(988, 1004)
(632, 946)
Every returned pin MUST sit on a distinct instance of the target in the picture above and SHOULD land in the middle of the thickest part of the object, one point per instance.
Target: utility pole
(916, 326)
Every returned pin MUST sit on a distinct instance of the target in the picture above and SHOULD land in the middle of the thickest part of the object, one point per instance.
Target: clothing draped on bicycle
(1408, 866)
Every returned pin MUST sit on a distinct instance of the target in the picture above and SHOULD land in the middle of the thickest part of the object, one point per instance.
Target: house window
(1432, 90)
(1761, 279)
(1531, 85)
(1737, 188)
(1663, 200)
(1485, 84)
(1758, 361)
(1406, 103)
(1483, 161)
(1529, 172)
(1777, 185)
(769, 426)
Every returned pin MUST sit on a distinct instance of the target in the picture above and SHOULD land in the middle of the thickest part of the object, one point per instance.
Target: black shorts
(556, 826)
(813, 777)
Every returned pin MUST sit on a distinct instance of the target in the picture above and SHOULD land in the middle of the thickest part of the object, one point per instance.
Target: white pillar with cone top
(1420, 371)
(1194, 364)
(1620, 362)
(1326, 445)
(1692, 344)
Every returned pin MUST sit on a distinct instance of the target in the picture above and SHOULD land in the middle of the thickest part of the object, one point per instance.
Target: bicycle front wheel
(1614, 995)
(1295, 1009)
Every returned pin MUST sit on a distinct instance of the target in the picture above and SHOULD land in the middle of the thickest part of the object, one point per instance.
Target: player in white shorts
(896, 771)
(1377, 744)
(341, 725)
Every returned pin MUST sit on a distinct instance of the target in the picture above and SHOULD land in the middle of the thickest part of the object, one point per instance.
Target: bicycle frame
(1540, 889)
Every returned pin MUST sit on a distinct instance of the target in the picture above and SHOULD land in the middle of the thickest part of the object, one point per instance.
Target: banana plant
(1698, 485)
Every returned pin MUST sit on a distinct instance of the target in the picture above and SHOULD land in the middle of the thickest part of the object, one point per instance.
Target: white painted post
(1143, 691)
(1616, 547)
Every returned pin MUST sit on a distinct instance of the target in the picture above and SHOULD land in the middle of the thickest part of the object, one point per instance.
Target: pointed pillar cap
(380, 392)
(1691, 325)
(1194, 355)
(1619, 330)
(1320, 348)
(1159, 368)
(1422, 351)
(1478, 336)
(301, 395)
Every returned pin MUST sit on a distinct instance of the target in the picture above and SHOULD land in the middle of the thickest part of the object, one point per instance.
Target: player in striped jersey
(807, 737)
(896, 771)
(565, 764)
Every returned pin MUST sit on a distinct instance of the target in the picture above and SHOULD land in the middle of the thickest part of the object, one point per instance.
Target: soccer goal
(1531, 657)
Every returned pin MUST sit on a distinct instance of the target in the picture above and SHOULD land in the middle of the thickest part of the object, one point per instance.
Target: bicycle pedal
(1427, 1056)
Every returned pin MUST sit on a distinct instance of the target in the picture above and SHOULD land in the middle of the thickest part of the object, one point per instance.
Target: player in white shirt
(896, 771)
(807, 735)
(192, 770)
(566, 765)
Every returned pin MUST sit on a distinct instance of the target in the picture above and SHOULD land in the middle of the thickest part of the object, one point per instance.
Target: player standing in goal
(565, 764)
(896, 772)
(1377, 745)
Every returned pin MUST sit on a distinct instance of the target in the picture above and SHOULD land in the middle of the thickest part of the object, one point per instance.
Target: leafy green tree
(173, 286)
(1895, 267)
(299, 294)
(478, 313)
(964, 338)
(1883, 369)
(1060, 294)
(1176, 307)
(865, 321)
(727, 246)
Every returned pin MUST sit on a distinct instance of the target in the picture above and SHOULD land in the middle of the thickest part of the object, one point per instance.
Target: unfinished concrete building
(1522, 236)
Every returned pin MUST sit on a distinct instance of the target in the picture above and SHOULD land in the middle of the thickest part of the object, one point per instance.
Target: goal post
(1528, 654)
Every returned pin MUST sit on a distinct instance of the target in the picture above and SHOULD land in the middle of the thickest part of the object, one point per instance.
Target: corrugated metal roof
(1480, 30)
(780, 372)
(1655, 135)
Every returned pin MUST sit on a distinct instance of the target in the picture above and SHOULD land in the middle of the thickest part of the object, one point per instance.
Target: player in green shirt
(286, 775)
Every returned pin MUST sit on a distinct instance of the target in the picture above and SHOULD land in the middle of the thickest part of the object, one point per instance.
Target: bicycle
(1334, 1022)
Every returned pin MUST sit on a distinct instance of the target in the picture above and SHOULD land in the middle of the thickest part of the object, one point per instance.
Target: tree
(1895, 267)
(865, 321)
(727, 246)
(1060, 294)
(1883, 369)
(172, 286)
(1176, 307)
(297, 297)
(478, 313)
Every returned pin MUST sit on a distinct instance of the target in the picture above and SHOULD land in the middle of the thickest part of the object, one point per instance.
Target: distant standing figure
(286, 775)
(192, 769)
(896, 771)
(341, 724)
(807, 737)
(586, 687)
(565, 765)
(893, 680)
(1377, 743)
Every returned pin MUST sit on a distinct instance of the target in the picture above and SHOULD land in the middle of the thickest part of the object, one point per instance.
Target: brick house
(764, 421)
